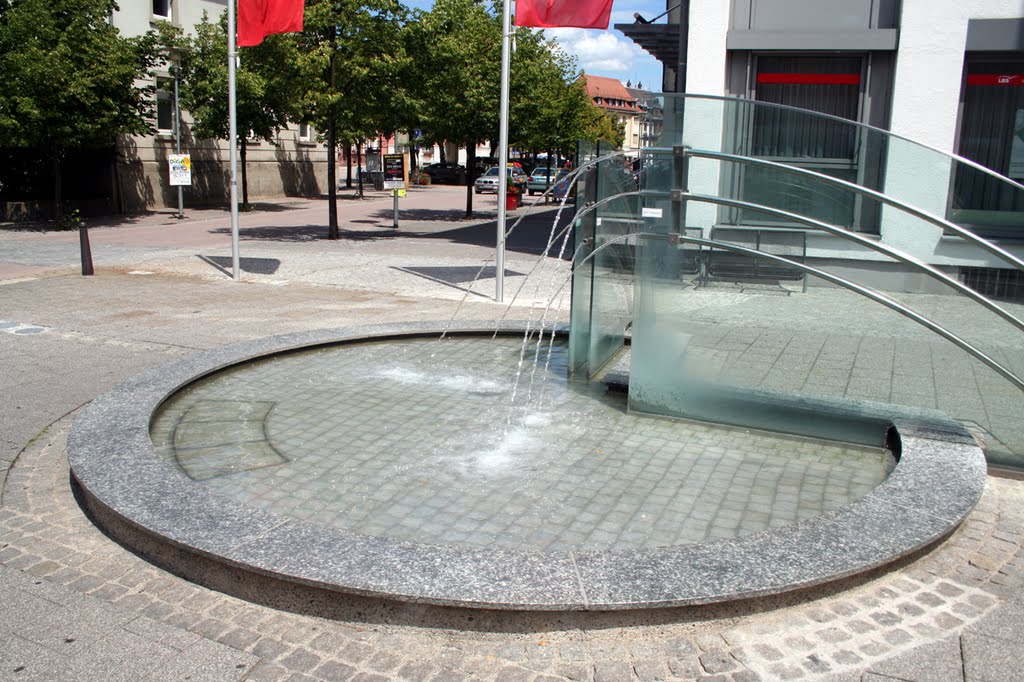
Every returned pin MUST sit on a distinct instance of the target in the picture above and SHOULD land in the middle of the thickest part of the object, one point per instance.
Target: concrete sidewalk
(76, 605)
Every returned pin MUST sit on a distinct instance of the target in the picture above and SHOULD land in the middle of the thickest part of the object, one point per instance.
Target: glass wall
(751, 307)
(608, 191)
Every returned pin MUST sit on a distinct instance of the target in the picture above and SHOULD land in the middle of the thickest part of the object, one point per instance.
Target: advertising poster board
(394, 171)
(181, 169)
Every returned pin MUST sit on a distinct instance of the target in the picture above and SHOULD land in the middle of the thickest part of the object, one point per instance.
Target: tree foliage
(358, 70)
(549, 108)
(458, 50)
(354, 67)
(599, 124)
(69, 79)
(267, 86)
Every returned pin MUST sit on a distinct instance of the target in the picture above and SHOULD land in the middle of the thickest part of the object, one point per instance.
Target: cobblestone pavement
(76, 605)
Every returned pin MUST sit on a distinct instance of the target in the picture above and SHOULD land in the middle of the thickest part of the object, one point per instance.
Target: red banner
(563, 13)
(259, 18)
(810, 78)
(994, 79)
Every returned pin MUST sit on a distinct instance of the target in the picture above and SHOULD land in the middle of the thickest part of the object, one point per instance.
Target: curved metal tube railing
(860, 189)
(895, 254)
(868, 292)
(853, 124)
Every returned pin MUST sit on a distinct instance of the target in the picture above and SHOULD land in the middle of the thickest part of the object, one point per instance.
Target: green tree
(69, 79)
(354, 67)
(549, 106)
(267, 87)
(601, 125)
(458, 50)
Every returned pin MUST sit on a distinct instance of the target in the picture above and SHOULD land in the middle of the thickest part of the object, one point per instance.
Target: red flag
(259, 18)
(559, 13)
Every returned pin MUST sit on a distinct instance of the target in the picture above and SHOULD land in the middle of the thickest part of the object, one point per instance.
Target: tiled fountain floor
(421, 441)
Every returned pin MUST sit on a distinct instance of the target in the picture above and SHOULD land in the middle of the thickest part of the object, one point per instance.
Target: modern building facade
(946, 73)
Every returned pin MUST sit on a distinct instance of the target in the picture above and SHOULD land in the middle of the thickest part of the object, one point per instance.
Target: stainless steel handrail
(869, 243)
(860, 189)
(865, 291)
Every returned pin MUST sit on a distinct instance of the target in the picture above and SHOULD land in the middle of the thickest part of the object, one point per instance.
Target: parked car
(488, 182)
(446, 173)
(541, 179)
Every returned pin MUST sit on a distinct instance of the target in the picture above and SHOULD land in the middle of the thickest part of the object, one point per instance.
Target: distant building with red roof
(612, 96)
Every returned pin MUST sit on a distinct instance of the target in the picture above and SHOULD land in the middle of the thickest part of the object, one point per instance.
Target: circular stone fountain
(383, 461)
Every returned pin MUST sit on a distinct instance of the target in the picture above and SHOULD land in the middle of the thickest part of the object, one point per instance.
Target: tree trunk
(332, 182)
(359, 164)
(470, 177)
(348, 165)
(547, 185)
(332, 149)
(245, 176)
(58, 186)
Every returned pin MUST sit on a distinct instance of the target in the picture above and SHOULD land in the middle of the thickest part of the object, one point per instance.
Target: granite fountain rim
(939, 477)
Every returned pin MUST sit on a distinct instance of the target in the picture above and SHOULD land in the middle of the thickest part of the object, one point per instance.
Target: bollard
(83, 240)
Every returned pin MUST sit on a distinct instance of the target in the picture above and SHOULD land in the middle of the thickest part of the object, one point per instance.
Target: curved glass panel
(733, 336)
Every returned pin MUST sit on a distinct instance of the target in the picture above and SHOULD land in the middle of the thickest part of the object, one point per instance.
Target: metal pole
(85, 248)
(506, 60)
(233, 140)
(395, 224)
(177, 139)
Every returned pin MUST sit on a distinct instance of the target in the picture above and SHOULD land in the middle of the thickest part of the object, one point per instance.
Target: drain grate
(998, 283)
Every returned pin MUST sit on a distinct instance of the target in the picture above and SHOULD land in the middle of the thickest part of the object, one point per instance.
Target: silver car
(488, 182)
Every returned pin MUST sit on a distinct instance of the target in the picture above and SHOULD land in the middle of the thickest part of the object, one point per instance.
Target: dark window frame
(983, 204)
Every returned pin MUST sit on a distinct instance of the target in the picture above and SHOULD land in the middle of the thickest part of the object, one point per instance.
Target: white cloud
(599, 52)
(608, 53)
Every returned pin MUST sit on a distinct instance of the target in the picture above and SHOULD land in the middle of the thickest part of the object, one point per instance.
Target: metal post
(86, 250)
(506, 59)
(395, 223)
(233, 141)
(177, 139)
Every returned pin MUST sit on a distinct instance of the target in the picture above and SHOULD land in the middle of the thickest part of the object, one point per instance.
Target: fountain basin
(145, 500)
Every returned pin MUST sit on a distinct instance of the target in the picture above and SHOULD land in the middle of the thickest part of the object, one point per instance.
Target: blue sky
(606, 53)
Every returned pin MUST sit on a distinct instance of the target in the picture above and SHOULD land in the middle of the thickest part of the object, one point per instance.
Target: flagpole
(233, 140)
(506, 59)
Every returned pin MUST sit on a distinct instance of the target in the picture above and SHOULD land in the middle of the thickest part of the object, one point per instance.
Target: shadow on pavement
(424, 214)
(458, 275)
(256, 266)
(529, 236)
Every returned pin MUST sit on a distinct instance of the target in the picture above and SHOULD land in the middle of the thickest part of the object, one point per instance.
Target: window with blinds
(992, 134)
(819, 84)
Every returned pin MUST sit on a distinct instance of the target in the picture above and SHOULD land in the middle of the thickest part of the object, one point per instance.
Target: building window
(162, 9)
(826, 85)
(992, 134)
(305, 132)
(165, 105)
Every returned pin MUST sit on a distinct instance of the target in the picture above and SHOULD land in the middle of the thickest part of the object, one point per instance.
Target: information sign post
(394, 178)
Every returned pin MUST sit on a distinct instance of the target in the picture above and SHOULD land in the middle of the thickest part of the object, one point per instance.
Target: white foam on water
(458, 382)
(516, 450)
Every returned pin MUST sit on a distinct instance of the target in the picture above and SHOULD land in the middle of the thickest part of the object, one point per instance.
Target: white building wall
(929, 64)
(705, 52)
(925, 107)
(705, 75)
